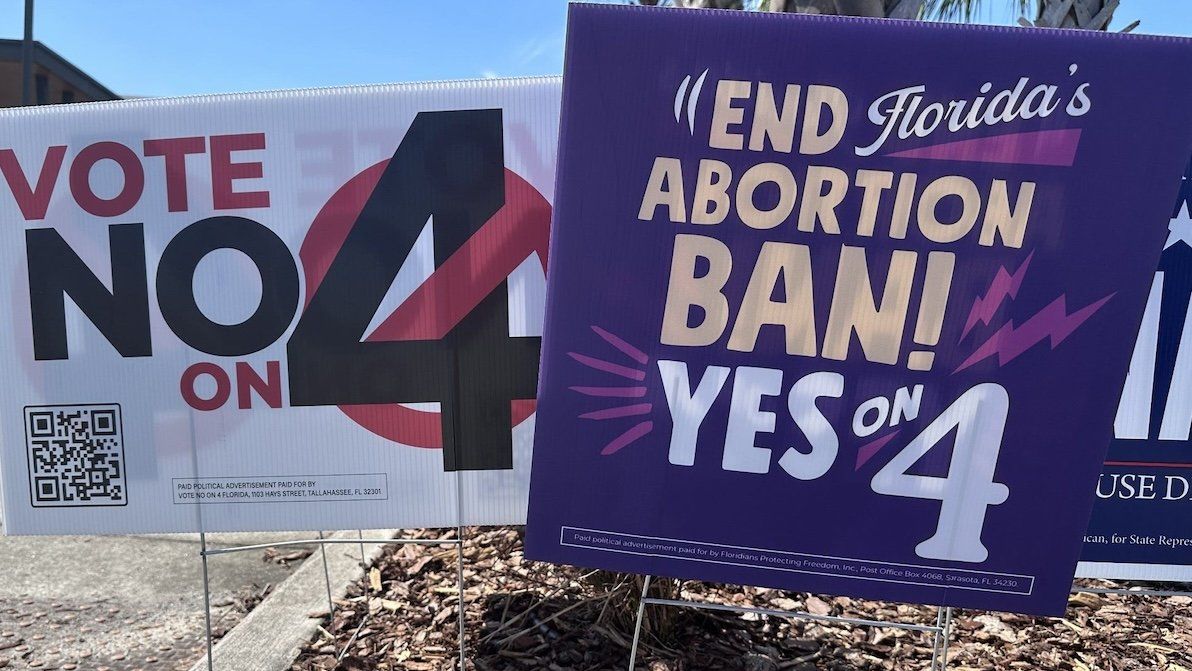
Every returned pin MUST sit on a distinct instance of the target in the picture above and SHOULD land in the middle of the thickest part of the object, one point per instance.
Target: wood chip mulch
(527, 615)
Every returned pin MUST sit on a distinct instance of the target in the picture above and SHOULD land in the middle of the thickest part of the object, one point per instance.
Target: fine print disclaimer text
(843, 567)
(300, 488)
(1146, 540)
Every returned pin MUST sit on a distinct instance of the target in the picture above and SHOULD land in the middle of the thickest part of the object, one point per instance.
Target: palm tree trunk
(874, 8)
(894, 9)
(1084, 14)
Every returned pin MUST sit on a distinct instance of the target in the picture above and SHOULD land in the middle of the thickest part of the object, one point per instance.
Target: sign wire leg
(947, 638)
(938, 638)
(326, 577)
(363, 559)
(459, 536)
(206, 600)
(637, 628)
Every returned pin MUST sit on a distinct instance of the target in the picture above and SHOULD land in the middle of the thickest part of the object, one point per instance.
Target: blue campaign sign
(1142, 522)
(846, 325)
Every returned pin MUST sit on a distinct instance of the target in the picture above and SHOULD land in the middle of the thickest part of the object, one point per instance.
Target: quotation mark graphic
(692, 100)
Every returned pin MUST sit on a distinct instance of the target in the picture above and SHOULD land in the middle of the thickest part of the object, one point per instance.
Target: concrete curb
(272, 635)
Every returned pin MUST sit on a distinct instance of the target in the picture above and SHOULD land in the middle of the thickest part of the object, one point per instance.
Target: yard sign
(287, 310)
(845, 305)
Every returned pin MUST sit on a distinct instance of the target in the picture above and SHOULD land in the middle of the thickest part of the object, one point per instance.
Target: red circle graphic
(525, 211)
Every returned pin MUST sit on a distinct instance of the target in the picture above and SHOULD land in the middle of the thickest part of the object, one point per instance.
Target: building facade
(55, 79)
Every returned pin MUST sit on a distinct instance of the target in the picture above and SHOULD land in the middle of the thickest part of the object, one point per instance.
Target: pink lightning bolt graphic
(1003, 286)
(1053, 321)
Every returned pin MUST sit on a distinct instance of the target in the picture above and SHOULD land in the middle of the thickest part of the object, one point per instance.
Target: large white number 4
(979, 417)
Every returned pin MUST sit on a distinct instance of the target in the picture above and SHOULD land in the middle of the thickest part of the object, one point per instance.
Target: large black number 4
(450, 169)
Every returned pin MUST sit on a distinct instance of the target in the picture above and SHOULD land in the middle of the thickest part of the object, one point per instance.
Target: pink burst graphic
(1003, 287)
(869, 450)
(1052, 322)
(633, 370)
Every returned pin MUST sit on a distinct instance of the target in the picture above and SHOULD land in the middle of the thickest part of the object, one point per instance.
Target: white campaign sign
(276, 311)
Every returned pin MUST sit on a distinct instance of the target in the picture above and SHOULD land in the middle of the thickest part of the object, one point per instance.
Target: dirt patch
(527, 615)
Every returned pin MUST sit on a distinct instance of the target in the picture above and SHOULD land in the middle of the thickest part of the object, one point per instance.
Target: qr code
(76, 455)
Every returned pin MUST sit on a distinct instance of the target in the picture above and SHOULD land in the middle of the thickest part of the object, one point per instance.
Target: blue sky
(149, 47)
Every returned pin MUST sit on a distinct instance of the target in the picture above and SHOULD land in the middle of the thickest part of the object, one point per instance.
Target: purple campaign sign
(844, 305)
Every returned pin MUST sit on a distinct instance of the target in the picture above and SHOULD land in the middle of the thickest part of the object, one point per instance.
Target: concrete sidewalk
(273, 634)
(121, 602)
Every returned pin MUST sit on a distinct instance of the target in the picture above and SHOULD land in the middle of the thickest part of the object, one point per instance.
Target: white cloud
(535, 48)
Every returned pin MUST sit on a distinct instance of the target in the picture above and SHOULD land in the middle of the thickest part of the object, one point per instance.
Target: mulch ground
(527, 615)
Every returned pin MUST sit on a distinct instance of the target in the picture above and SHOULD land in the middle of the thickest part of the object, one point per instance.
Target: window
(68, 96)
(42, 84)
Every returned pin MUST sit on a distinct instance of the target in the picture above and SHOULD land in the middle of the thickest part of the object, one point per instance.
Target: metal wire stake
(938, 638)
(324, 541)
(947, 638)
(943, 620)
(207, 601)
(1130, 592)
(363, 560)
(791, 614)
(459, 537)
(326, 577)
(637, 628)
